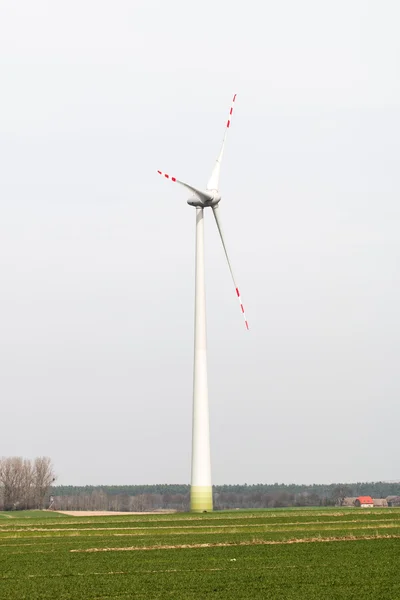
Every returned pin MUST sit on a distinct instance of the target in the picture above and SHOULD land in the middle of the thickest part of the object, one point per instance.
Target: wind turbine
(201, 487)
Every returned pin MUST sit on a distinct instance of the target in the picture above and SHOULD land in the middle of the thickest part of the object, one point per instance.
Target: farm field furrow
(303, 554)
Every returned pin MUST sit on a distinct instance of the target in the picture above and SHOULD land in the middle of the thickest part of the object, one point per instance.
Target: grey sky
(97, 252)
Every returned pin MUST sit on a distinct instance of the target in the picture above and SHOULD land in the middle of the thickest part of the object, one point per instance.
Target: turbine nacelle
(208, 198)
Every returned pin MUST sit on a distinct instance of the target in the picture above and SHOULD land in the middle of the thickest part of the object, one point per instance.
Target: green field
(272, 554)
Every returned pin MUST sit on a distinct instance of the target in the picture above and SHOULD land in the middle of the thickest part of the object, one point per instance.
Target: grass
(30, 514)
(273, 554)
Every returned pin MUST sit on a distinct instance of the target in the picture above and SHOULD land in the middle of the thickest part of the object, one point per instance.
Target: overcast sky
(97, 251)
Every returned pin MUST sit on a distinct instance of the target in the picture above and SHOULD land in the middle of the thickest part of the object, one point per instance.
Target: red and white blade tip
(228, 123)
(242, 308)
(167, 176)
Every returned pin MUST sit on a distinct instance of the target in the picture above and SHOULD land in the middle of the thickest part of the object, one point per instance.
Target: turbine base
(201, 498)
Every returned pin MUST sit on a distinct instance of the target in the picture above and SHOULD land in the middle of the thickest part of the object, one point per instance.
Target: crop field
(272, 554)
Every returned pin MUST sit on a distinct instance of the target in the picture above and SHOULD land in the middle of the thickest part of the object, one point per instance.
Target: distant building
(368, 502)
(364, 502)
(349, 501)
(380, 503)
(393, 500)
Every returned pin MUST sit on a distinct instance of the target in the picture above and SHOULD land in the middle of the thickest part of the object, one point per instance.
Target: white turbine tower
(201, 488)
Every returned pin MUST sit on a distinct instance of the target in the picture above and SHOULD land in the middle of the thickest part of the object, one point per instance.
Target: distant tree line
(100, 499)
(176, 496)
(25, 483)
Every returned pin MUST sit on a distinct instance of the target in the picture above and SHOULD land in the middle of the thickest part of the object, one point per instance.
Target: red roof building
(364, 502)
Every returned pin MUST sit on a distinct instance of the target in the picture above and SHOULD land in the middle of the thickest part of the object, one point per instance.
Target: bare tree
(340, 492)
(11, 481)
(23, 483)
(43, 477)
(26, 484)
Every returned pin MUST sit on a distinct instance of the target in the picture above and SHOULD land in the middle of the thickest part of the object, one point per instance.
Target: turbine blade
(200, 193)
(213, 182)
(218, 222)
